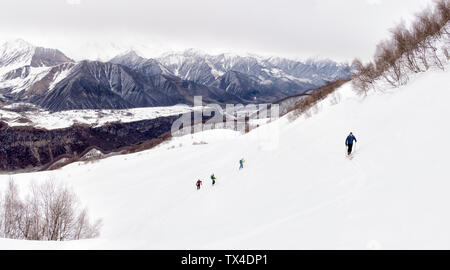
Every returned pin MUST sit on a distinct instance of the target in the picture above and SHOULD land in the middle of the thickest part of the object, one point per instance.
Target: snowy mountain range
(50, 79)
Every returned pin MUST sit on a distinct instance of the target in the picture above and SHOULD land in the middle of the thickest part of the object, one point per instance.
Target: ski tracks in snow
(354, 176)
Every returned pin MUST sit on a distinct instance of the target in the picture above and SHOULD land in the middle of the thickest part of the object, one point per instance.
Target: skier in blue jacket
(349, 142)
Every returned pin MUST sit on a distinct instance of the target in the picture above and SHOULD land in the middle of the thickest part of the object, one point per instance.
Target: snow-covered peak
(178, 57)
(194, 52)
(17, 45)
(320, 62)
(24, 66)
(129, 57)
(16, 53)
(131, 54)
(19, 53)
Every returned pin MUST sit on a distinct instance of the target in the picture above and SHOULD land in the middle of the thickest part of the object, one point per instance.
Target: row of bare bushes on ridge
(309, 101)
(417, 48)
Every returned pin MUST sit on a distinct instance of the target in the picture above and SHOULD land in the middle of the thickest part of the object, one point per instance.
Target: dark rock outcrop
(28, 148)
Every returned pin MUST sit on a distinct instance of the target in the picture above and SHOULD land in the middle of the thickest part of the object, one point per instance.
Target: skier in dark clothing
(349, 143)
(198, 184)
(213, 178)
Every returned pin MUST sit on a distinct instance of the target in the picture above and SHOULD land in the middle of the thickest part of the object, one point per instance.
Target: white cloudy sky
(336, 29)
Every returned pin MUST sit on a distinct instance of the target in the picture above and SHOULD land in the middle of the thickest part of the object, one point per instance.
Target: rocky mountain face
(98, 85)
(132, 60)
(48, 78)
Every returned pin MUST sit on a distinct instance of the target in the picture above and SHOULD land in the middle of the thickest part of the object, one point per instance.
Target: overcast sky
(335, 29)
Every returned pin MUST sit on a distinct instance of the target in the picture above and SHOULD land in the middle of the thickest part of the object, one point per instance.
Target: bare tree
(50, 212)
(421, 47)
(12, 212)
(443, 12)
(364, 76)
(427, 30)
(35, 214)
(406, 45)
(2, 217)
(388, 63)
(83, 229)
(445, 51)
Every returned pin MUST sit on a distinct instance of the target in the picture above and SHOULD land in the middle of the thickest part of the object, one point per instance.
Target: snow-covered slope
(41, 118)
(301, 193)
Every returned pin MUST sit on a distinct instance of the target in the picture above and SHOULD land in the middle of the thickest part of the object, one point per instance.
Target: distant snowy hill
(298, 191)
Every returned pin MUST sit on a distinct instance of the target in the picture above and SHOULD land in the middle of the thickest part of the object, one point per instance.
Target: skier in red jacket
(198, 184)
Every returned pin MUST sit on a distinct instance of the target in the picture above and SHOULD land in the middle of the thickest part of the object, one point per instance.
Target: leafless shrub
(430, 24)
(443, 11)
(50, 212)
(388, 63)
(12, 209)
(405, 43)
(1, 215)
(335, 98)
(364, 77)
(315, 109)
(307, 113)
(445, 51)
(304, 105)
